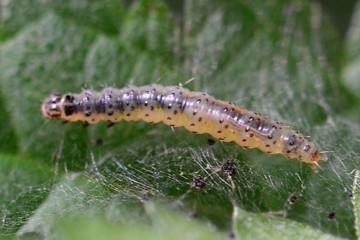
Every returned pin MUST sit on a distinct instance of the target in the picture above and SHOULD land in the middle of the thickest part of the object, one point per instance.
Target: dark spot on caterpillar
(307, 148)
(194, 112)
(221, 120)
(247, 129)
(152, 108)
(175, 111)
(128, 114)
(199, 119)
(192, 124)
(244, 140)
(169, 106)
(251, 135)
(198, 101)
(168, 118)
(69, 110)
(182, 105)
(87, 114)
(69, 99)
(219, 131)
(110, 113)
(146, 115)
(226, 126)
(267, 145)
(198, 182)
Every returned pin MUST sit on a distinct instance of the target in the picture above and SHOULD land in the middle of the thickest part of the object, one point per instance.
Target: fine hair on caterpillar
(179, 107)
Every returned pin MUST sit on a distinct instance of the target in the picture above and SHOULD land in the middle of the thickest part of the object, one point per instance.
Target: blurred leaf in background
(285, 59)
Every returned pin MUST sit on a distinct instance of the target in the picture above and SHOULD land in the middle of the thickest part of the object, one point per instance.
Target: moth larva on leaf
(179, 107)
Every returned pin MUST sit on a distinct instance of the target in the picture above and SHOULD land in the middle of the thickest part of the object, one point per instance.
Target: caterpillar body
(179, 107)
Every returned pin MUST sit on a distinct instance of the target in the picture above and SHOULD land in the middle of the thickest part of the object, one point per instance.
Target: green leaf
(153, 222)
(29, 63)
(24, 185)
(270, 57)
(355, 200)
(350, 71)
(105, 16)
(148, 26)
(8, 141)
(268, 226)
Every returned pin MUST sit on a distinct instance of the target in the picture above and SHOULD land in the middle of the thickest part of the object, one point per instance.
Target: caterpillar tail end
(314, 160)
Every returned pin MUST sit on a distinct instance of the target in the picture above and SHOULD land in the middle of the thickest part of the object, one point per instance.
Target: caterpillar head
(51, 107)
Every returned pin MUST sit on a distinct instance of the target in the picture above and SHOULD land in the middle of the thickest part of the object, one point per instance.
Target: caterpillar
(179, 107)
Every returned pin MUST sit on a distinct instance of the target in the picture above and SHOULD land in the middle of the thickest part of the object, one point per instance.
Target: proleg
(179, 107)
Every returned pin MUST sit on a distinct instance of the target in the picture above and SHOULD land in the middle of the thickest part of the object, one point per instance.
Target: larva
(176, 106)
